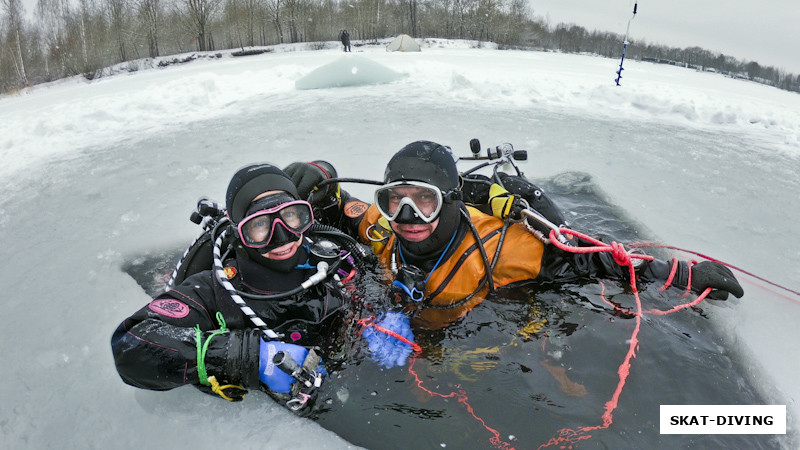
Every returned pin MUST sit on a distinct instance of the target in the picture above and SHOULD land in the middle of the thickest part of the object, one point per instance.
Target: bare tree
(53, 17)
(463, 9)
(51, 27)
(509, 22)
(412, 17)
(83, 18)
(118, 18)
(275, 8)
(323, 21)
(296, 13)
(14, 13)
(251, 10)
(240, 19)
(81, 36)
(199, 13)
(365, 18)
(150, 13)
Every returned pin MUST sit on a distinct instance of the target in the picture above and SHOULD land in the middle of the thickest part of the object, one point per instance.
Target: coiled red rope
(623, 258)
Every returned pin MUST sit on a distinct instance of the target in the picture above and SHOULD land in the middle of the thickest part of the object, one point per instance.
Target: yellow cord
(220, 389)
(201, 364)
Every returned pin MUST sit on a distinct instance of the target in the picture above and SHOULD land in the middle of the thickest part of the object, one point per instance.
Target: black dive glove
(307, 175)
(709, 274)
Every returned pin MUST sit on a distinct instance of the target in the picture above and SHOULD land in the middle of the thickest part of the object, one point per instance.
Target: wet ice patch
(347, 71)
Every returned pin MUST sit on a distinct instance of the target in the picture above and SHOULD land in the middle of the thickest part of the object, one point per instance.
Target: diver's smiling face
(414, 232)
(284, 251)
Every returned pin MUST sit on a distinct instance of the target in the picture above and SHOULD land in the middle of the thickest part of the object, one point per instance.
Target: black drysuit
(156, 347)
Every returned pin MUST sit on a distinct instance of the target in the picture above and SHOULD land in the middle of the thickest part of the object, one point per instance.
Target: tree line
(63, 38)
(576, 39)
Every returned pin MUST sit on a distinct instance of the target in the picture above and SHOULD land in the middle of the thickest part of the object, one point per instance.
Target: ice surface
(95, 173)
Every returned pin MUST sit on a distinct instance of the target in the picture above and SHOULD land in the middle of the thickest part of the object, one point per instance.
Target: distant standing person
(346, 40)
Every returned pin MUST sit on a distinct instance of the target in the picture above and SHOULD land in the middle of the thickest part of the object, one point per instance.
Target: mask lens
(257, 229)
(296, 217)
(424, 199)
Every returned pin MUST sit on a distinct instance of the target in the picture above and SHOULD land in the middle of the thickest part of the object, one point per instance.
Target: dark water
(529, 389)
(536, 365)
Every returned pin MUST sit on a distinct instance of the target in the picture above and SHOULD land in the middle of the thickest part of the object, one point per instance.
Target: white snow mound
(347, 71)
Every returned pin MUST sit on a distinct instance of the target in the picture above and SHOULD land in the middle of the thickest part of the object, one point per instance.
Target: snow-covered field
(95, 172)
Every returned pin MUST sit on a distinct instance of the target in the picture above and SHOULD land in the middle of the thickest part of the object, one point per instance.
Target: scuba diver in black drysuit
(257, 301)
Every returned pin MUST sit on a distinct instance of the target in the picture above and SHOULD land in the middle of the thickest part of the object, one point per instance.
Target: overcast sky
(767, 32)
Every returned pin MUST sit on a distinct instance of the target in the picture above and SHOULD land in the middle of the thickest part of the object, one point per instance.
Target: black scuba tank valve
(196, 218)
(306, 373)
(206, 207)
(475, 147)
(324, 250)
(286, 363)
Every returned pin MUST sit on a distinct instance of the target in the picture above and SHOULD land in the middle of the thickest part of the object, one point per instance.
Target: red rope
(700, 298)
(461, 396)
(350, 276)
(414, 345)
(671, 276)
(645, 244)
(623, 258)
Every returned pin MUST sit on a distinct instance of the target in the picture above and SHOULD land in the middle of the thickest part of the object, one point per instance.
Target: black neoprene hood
(250, 181)
(424, 161)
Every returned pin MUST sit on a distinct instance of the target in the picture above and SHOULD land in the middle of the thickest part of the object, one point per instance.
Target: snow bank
(61, 118)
